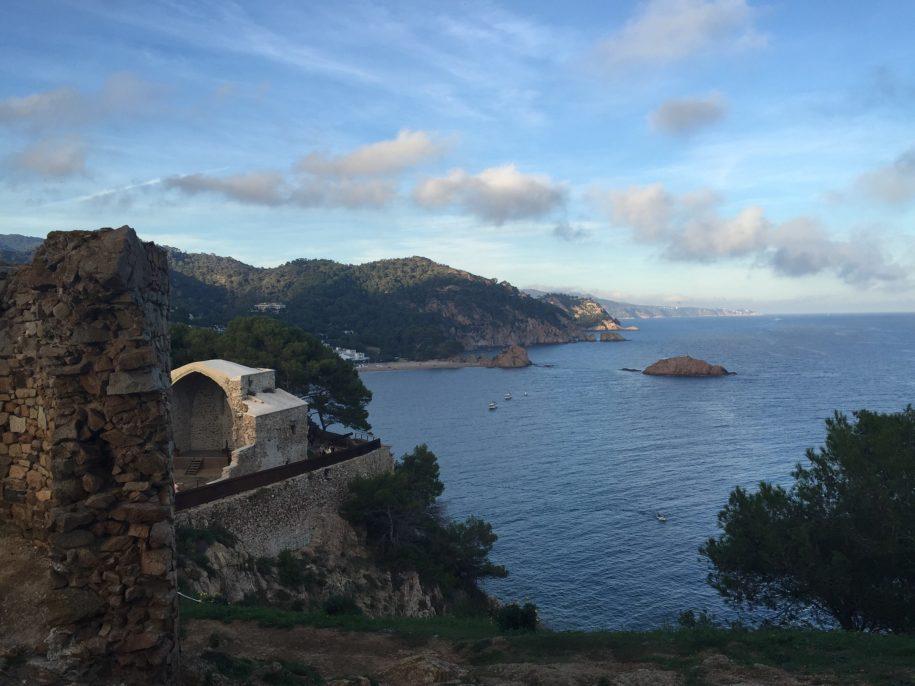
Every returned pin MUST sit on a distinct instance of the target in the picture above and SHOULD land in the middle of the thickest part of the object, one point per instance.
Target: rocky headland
(684, 365)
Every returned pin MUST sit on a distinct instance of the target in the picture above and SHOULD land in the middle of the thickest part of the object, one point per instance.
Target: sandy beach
(405, 365)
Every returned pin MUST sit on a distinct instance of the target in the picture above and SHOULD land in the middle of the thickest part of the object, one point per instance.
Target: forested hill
(412, 307)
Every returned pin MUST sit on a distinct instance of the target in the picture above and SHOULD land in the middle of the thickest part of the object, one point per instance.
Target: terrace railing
(239, 484)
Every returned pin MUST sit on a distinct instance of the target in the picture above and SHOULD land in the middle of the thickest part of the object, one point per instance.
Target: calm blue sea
(571, 474)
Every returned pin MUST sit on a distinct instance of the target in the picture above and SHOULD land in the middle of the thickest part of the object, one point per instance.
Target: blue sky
(757, 154)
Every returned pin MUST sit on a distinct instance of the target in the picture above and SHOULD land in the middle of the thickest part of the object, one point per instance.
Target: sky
(713, 152)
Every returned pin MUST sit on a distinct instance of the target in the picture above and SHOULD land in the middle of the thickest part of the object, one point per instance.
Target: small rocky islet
(684, 365)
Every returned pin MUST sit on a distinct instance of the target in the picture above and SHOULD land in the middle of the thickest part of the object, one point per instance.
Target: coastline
(408, 365)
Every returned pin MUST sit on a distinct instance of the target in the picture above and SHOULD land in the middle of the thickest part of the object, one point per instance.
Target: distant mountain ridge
(622, 310)
(18, 249)
(410, 307)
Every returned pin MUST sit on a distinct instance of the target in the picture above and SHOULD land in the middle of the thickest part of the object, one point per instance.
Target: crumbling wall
(85, 460)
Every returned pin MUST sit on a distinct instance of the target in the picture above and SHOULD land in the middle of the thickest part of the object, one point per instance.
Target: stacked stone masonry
(284, 515)
(85, 455)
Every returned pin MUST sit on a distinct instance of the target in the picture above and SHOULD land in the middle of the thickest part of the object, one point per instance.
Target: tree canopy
(303, 364)
(407, 530)
(840, 543)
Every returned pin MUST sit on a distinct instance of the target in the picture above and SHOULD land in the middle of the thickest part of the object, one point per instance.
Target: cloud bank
(408, 149)
(666, 31)
(51, 158)
(366, 177)
(893, 184)
(692, 228)
(496, 194)
(685, 116)
(52, 123)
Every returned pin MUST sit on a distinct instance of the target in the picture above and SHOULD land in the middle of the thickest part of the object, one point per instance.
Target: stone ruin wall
(289, 514)
(85, 458)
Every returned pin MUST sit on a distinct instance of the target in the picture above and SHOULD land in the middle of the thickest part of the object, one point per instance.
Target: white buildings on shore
(269, 307)
(351, 355)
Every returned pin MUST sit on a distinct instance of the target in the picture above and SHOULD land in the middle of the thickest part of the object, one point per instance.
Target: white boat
(660, 517)
(492, 405)
(508, 396)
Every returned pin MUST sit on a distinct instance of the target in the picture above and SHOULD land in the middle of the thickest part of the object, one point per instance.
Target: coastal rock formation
(610, 337)
(513, 357)
(335, 564)
(684, 365)
(587, 313)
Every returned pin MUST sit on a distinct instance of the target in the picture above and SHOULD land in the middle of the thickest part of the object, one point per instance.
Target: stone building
(229, 420)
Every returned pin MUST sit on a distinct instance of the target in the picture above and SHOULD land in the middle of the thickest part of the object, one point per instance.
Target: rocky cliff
(336, 567)
(586, 312)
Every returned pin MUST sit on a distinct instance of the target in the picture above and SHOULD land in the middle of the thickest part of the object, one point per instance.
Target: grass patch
(452, 628)
(883, 660)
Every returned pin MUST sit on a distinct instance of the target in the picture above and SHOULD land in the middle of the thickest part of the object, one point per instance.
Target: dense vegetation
(407, 531)
(413, 307)
(304, 366)
(839, 544)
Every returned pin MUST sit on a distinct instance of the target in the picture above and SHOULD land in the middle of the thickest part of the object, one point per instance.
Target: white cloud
(408, 149)
(51, 158)
(682, 117)
(802, 246)
(66, 108)
(893, 184)
(316, 192)
(666, 31)
(367, 177)
(496, 194)
(566, 232)
(691, 228)
(648, 210)
(255, 188)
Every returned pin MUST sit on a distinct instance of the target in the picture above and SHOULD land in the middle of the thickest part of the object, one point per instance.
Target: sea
(572, 471)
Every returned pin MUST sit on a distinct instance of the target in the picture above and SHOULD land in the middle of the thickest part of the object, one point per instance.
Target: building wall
(281, 437)
(85, 461)
(283, 516)
(201, 414)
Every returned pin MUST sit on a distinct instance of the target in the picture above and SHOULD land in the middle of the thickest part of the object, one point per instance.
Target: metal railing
(239, 484)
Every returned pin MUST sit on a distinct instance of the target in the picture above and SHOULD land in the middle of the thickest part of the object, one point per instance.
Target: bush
(838, 545)
(290, 569)
(407, 531)
(341, 605)
(689, 619)
(514, 617)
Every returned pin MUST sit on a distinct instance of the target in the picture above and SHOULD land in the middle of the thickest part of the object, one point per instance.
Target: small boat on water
(508, 396)
(661, 518)
(492, 405)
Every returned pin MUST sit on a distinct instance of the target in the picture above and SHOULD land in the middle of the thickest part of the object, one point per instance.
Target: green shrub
(265, 565)
(514, 617)
(407, 531)
(289, 569)
(341, 605)
(837, 545)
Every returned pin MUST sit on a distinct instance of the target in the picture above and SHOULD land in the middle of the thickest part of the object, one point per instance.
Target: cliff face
(587, 313)
(335, 565)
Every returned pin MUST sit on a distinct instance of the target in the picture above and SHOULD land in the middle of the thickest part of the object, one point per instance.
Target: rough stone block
(128, 383)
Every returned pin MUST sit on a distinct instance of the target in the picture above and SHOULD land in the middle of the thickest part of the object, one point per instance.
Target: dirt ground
(358, 658)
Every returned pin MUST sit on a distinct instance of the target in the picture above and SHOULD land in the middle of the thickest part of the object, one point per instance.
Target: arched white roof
(221, 371)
